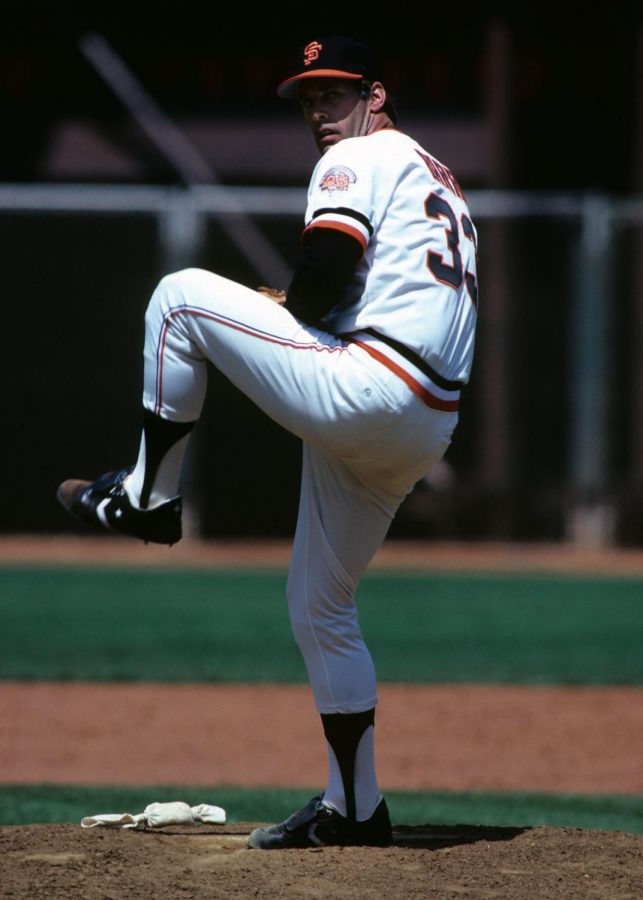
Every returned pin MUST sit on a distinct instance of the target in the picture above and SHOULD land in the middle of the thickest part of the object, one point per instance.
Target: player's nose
(318, 114)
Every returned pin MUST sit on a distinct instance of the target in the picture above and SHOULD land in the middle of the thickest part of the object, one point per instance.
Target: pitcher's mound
(43, 862)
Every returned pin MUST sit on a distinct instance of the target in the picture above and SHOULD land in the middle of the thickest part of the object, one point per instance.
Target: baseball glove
(273, 294)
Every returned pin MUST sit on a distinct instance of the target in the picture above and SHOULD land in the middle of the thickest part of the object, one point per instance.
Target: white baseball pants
(367, 440)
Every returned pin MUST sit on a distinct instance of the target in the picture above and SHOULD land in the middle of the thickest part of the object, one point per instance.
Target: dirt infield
(429, 737)
(63, 861)
(111, 550)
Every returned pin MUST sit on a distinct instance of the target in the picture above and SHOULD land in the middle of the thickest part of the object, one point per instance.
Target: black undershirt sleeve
(327, 267)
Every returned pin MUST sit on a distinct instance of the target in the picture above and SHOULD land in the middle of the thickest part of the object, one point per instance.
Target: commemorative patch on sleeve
(339, 178)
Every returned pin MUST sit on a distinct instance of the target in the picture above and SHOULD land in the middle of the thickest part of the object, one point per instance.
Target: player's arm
(327, 267)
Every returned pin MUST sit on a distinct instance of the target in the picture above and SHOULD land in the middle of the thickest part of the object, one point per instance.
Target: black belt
(417, 361)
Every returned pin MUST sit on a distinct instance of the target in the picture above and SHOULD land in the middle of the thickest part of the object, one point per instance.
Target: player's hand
(273, 294)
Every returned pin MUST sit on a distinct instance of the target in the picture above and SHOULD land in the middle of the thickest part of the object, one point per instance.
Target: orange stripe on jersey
(426, 396)
(340, 226)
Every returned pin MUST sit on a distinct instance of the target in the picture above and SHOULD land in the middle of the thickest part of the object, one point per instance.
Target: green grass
(28, 804)
(82, 624)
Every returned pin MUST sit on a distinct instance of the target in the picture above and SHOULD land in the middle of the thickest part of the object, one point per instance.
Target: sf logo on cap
(311, 52)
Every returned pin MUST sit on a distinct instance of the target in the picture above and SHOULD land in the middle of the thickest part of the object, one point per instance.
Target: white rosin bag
(156, 815)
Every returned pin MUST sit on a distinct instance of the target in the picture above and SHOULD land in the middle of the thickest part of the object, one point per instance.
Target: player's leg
(341, 523)
(195, 316)
(347, 504)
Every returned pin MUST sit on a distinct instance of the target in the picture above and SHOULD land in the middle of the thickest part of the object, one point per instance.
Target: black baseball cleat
(317, 825)
(105, 503)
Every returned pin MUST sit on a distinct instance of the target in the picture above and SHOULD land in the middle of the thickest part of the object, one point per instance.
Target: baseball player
(364, 361)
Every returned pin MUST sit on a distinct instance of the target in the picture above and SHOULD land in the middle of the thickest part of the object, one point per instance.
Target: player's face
(333, 109)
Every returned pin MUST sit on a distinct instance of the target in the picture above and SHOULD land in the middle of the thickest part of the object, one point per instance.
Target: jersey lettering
(441, 174)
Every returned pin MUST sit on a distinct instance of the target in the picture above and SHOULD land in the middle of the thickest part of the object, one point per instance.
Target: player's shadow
(436, 837)
(420, 837)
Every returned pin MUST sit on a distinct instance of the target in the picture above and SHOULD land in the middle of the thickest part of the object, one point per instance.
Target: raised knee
(178, 281)
(173, 290)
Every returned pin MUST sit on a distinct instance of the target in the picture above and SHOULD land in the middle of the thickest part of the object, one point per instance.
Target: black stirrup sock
(343, 732)
(160, 436)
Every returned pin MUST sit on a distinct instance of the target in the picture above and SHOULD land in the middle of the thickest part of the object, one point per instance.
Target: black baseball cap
(332, 57)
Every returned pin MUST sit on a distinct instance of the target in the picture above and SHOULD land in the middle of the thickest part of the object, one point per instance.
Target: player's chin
(325, 142)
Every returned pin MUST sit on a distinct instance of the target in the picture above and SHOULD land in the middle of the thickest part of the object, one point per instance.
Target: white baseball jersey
(416, 281)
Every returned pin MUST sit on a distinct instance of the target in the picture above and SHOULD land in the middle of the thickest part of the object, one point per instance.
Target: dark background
(74, 288)
(573, 80)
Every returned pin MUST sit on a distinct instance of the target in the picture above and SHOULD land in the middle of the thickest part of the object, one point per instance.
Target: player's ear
(377, 97)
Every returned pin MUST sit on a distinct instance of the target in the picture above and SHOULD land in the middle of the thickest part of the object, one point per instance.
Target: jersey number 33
(451, 272)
